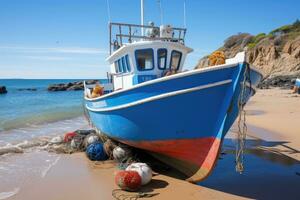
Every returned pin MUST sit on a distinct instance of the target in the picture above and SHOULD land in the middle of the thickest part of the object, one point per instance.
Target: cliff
(275, 54)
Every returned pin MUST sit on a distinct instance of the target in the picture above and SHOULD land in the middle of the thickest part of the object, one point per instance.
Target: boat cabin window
(162, 58)
(122, 65)
(144, 59)
(127, 63)
(116, 66)
(175, 59)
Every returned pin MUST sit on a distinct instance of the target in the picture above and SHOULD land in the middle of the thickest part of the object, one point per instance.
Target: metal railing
(119, 32)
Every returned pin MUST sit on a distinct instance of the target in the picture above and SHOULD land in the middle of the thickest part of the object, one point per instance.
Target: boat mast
(142, 17)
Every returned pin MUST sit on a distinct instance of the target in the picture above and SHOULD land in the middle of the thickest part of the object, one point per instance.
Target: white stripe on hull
(161, 96)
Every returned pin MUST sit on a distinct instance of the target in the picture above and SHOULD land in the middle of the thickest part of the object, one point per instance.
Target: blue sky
(69, 38)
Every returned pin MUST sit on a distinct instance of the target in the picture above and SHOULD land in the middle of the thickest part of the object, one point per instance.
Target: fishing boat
(150, 103)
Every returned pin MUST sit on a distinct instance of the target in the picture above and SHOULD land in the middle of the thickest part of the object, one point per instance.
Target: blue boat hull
(182, 119)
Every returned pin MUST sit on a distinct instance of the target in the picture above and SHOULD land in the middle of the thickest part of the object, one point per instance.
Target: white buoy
(57, 140)
(121, 153)
(144, 171)
(92, 139)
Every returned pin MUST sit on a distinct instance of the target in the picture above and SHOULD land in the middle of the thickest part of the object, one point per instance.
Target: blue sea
(28, 114)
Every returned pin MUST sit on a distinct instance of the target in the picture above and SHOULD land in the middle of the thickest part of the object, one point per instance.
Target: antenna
(184, 14)
(160, 12)
(142, 16)
(108, 11)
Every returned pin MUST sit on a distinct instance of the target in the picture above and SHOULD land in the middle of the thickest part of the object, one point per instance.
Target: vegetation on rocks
(256, 39)
(276, 54)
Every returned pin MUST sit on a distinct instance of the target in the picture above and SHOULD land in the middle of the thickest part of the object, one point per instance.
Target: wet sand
(281, 116)
(272, 167)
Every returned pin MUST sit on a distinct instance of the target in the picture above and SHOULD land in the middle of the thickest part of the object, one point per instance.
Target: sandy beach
(272, 168)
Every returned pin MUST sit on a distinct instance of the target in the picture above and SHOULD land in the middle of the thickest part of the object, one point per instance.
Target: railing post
(120, 35)
(130, 34)
(109, 38)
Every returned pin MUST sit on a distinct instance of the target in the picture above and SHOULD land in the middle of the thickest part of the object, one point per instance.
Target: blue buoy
(297, 83)
(95, 152)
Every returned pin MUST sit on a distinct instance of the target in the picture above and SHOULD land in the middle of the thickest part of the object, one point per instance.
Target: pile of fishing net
(71, 142)
(216, 58)
(131, 174)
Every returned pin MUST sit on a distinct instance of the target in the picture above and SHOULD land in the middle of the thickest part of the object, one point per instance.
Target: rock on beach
(72, 86)
(3, 90)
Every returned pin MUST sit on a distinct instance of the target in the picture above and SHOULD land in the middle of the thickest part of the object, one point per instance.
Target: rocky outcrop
(78, 85)
(286, 81)
(276, 54)
(3, 90)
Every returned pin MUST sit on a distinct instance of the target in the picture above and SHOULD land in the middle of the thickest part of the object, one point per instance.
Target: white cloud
(70, 50)
(49, 58)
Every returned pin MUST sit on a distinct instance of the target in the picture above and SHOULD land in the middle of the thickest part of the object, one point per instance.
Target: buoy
(109, 146)
(96, 152)
(128, 180)
(121, 154)
(92, 139)
(144, 171)
(69, 136)
(56, 140)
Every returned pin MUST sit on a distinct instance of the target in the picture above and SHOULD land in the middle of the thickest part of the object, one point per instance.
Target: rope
(242, 126)
(117, 194)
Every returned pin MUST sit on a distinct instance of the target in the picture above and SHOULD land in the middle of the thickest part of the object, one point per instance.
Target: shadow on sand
(269, 172)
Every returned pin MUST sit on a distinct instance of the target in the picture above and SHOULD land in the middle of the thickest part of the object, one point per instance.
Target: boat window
(116, 66)
(144, 59)
(124, 68)
(175, 59)
(127, 63)
(162, 58)
(120, 66)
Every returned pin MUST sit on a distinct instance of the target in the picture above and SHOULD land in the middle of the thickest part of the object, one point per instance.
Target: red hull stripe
(201, 152)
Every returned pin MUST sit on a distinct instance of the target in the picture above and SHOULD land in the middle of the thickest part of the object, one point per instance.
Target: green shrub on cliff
(291, 30)
(256, 40)
(282, 30)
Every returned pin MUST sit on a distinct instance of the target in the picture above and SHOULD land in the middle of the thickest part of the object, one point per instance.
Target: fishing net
(216, 58)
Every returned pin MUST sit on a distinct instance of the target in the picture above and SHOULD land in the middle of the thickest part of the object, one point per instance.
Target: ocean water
(28, 116)
(26, 108)
(21, 109)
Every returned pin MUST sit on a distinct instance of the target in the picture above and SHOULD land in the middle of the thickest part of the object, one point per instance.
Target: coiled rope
(242, 126)
(119, 195)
